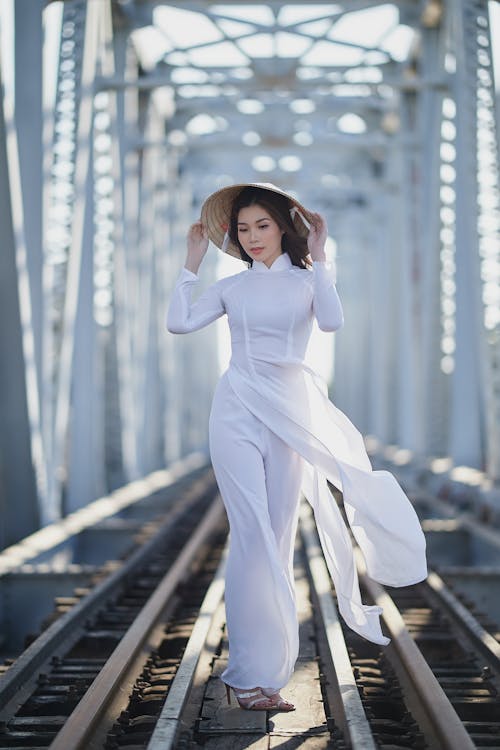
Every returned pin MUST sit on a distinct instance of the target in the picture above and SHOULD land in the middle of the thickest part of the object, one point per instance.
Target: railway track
(433, 686)
(91, 643)
(136, 661)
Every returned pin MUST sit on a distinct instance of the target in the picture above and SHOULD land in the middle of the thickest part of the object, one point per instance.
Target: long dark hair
(278, 206)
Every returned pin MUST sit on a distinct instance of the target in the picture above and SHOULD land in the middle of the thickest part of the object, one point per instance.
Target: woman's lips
(257, 249)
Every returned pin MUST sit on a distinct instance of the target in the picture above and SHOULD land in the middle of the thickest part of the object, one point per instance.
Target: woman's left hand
(317, 237)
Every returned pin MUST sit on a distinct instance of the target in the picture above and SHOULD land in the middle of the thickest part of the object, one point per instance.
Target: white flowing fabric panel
(382, 518)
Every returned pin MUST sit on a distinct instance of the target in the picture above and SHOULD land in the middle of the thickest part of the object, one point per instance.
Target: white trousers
(259, 478)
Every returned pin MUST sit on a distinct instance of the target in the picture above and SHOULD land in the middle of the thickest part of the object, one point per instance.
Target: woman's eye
(262, 226)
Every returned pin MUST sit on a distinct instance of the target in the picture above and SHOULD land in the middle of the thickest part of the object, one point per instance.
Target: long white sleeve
(184, 316)
(327, 306)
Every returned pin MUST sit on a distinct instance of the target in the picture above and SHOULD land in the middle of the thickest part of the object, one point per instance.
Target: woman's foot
(250, 700)
(278, 701)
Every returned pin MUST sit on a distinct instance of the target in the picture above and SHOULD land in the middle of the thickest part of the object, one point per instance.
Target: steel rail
(355, 724)
(443, 718)
(78, 728)
(16, 683)
(484, 641)
(167, 726)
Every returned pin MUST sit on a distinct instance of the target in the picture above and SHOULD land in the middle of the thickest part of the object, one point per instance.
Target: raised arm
(326, 301)
(183, 315)
(327, 306)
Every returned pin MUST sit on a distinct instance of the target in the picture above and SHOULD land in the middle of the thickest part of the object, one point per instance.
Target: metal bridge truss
(102, 168)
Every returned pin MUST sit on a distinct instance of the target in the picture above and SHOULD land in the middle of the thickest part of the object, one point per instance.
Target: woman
(273, 433)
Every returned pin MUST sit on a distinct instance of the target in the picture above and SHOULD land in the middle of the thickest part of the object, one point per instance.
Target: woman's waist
(266, 350)
(261, 369)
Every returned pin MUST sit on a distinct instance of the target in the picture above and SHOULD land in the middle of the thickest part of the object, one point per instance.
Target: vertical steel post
(28, 39)
(475, 404)
(82, 213)
(19, 513)
(433, 382)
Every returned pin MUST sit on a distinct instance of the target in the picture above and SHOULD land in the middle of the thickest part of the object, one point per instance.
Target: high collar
(281, 263)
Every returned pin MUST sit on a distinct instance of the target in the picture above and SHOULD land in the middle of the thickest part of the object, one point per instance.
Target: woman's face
(259, 234)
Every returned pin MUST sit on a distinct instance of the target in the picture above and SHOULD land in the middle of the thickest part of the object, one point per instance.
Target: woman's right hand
(197, 245)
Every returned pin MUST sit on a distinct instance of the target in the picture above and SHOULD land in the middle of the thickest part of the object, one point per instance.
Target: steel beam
(82, 214)
(19, 514)
(465, 417)
(433, 383)
(28, 42)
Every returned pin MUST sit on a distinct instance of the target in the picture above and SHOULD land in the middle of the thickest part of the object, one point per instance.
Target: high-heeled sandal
(278, 701)
(251, 705)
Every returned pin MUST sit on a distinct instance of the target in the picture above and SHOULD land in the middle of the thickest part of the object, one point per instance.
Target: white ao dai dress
(273, 432)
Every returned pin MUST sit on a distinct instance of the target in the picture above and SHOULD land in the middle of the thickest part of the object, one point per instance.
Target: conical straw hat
(216, 213)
